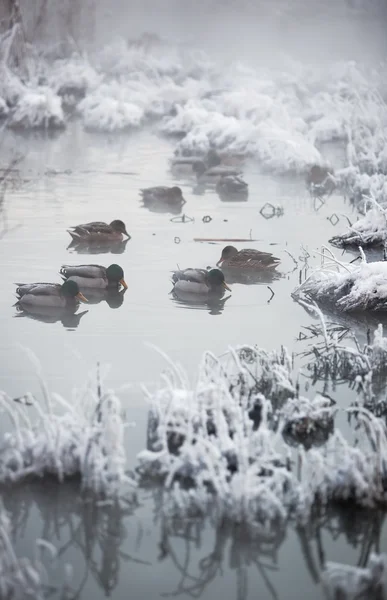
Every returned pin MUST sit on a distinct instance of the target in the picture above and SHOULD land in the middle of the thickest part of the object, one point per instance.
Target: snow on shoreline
(347, 287)
(281, 117)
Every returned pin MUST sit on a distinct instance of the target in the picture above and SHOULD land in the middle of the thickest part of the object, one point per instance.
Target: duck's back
(251, 258)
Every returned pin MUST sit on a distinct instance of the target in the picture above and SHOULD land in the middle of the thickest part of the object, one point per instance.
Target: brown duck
(98, 231)
(247, 259)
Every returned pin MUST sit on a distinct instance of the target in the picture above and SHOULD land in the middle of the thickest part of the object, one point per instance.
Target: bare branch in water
(272, 294)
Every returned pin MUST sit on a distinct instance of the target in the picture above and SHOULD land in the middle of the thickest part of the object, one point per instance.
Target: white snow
(204, 444)
(370, 230)
(348, 287)
(83, 438)
(280, 116)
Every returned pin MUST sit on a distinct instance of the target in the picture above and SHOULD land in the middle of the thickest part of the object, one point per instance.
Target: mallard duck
(213, 174)
(212, 159)
(94, 276)
(163, 194)
(98, 231)
(229, 185)
(49, 295)
(199, 281)
(247, 259)
(320, 180)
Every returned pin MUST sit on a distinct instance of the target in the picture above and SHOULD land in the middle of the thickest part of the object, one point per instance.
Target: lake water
(76, 176)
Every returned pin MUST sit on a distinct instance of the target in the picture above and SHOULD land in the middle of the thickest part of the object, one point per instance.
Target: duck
(212, 159)
(199, 281)
(163, 193)
(213, 174)
(247, 259)
(94, 276)
(320, 179)
(98, 231)
(49, 295)
(229, 185)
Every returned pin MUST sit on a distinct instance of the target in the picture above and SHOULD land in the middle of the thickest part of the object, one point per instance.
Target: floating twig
(272, 294)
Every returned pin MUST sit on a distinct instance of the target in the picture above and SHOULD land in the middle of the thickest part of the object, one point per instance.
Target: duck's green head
(215, 278)
(70, 289)
(227, 252)
(115, 274)
(119, 227)
(177, 193)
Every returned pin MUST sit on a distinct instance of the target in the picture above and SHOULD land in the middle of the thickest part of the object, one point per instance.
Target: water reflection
(66, 316)
(83, 247)
(113, 297)
(194, 554)
(233, 196)
(250, 276)
(238, 547)
(70, 523)
(235, 546)
(214, 301)
(360, 529)
(157, 206)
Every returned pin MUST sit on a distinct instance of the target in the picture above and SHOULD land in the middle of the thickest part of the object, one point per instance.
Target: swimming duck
(247, 259)
(199, 281)
(98, 231)
(320, 180)
(49, 295)
(230, 185)
(94, 276)
(214, 173)
(212, 159)
(163, 194)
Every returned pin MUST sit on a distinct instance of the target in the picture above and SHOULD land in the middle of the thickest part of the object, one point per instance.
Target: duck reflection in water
(155, 206)
(113, 297)
(106, 247)
(66, 316)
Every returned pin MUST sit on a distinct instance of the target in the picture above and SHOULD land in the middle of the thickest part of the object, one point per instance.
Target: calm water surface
(76, 178)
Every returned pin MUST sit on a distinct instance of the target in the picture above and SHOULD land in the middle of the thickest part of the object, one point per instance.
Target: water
(77, 176)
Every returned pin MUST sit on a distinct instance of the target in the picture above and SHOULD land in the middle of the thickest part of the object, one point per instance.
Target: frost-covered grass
(279, 116)
(370, 230)
(242, 445)
(219, 447)
(82, 438)
(347, 287)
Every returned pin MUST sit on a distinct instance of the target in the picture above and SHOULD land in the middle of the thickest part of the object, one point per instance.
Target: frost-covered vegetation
(82, 439)
(370, 230)
(250, 443)
(347, 287)
(279, 116)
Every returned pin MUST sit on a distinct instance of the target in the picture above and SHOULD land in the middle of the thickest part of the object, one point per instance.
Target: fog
(261, 31)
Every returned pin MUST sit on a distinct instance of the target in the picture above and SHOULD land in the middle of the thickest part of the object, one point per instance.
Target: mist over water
(283, 84)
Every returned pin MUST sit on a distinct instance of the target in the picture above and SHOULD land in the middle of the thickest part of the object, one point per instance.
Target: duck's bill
(80, 296)
(123, 283)
(127, 234)
(226, 286)
(219, 262)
